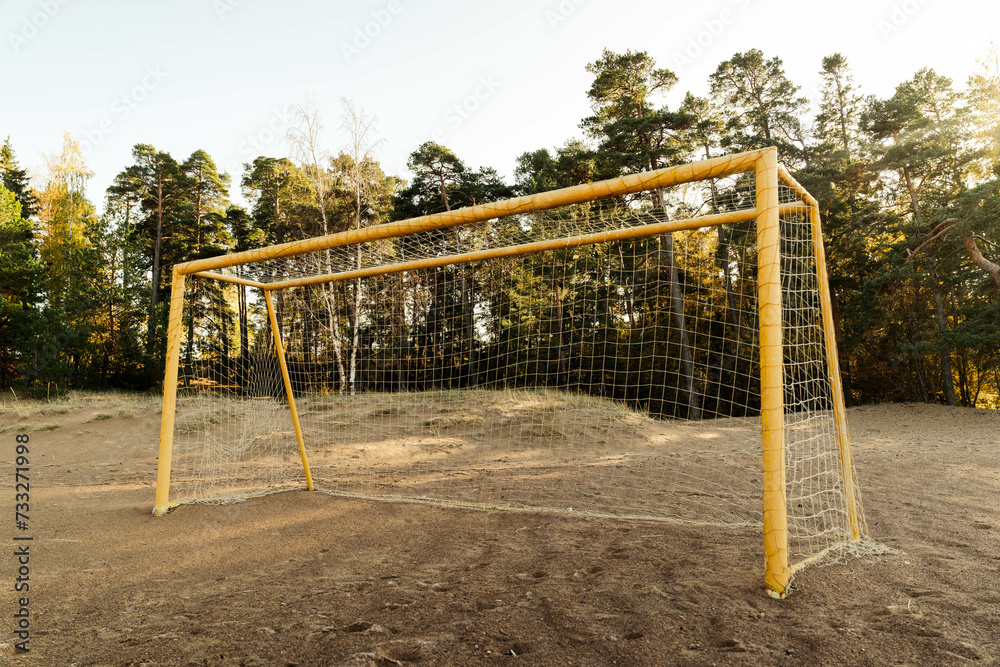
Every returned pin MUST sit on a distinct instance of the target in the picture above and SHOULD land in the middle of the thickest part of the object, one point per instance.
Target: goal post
(576, 350)
(289, 394)
(777, 573)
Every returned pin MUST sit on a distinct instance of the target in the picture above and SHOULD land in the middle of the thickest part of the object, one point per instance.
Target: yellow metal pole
(236, 280)
(526, 248)
(777, 574)
(288, 388)
(836, 384)
(726, 165)
(162, 503)
(786, 178)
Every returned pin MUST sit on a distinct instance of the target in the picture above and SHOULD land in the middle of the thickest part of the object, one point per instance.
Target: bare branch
(937, 232)
(992, 269)
(361, 148)
(985, 240)
(305, 137)
(305, 140)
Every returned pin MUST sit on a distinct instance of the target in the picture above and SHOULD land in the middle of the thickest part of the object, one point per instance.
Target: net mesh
(611, 378)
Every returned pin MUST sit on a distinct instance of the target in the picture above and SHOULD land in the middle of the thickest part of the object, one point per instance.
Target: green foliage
(19, 288)
(840, 106)
(19, 268)
(983, 97)
(633, 134)
(15, 180)
(283, 204)
(909, 193)
(538, 171)
(443, 182)
(763, 106)
(919, 147)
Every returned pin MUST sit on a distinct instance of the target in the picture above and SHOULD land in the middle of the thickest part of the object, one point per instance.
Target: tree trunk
(843, 361)
(920, 372)
(110, 341)
(432, 324)
(562, 366)
(669, 259)
(191, 306)
(467, 312)
(627, 294)
(947, 377)
(398, 325)
(730, 346)
(723, 255)
(993, 270)
(331, 319)
(356, 337)
(157, 269)
(244, 365)
(356, 323)
(964, 390)
(190, 341)
(329, 292)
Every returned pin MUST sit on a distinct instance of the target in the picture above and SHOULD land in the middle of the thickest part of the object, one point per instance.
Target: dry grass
(120, 413)
(452, 420)
(111, 404)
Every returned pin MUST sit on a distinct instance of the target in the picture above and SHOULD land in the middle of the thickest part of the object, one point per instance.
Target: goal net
(656, 347)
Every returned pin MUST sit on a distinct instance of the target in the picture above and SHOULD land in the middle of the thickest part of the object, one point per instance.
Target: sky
(489, 80)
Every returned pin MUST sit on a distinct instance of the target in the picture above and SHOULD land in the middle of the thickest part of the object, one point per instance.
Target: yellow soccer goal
(657, 346)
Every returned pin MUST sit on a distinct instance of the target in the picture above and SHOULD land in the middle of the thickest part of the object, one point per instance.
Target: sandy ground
(301, 578)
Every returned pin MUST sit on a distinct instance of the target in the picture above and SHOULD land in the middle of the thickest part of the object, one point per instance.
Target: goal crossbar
(624, 185)
(510, 251)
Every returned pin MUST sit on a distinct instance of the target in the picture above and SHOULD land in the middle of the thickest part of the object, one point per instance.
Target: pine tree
(155, 180)
(200, 232)
(15, 180)
(277, 191)
(840, 106)
(634, 136)
(918, 137)
(761, 103)
(984, 103)
(19, 281)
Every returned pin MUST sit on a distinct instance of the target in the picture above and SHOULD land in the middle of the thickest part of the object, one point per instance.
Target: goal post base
(163, 511)
(778, 594)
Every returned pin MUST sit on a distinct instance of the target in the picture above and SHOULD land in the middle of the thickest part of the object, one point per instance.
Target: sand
(300, 578)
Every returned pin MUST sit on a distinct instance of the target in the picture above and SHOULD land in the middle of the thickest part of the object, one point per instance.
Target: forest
(908, 186)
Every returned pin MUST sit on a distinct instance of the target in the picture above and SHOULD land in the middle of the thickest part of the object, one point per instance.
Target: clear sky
(490, 80)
